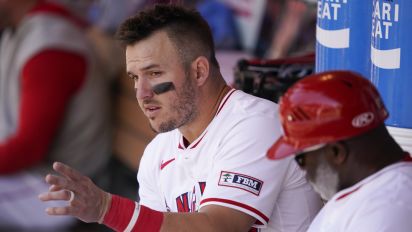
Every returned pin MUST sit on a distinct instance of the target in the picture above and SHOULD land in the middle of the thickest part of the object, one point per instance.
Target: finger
(62, 195)
(67, 171)
(58, 211)
(58, 181)
(54, 188)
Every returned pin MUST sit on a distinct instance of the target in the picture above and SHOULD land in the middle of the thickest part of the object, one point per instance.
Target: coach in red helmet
(333, 123)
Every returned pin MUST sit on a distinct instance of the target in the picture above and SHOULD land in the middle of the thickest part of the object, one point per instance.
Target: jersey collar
(196, 142)
(348, 191)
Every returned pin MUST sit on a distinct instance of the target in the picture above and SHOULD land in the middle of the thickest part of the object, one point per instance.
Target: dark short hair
(186, 28)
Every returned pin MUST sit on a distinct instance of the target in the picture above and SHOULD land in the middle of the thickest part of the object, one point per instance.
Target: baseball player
(334, 125)
(206, 170)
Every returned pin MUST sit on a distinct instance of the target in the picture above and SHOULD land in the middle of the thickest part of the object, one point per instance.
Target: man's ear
(201, 69)
(340, 153)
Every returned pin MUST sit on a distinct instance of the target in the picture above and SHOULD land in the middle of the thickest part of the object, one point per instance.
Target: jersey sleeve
(49, 80)
(242, 177)
(148, 176)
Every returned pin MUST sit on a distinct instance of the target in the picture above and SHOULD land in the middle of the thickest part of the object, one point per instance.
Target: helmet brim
(281, 149)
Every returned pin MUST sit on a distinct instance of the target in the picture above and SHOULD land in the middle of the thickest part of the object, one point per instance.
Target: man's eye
(155, 73)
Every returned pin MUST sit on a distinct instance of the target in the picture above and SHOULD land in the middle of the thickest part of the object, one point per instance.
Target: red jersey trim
(348, 193)
(197, 143)
(407, 157)
(192, 145)
(225, 100)
(181, 142)
(181, 146)
(238, 204)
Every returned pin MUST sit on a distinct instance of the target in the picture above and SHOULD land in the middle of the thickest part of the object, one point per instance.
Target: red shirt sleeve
(48, 82)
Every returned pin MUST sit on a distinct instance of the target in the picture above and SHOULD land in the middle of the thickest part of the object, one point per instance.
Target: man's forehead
(158, 40)
(144, 58)
(155, 49)
(131, 69)
(135, 53)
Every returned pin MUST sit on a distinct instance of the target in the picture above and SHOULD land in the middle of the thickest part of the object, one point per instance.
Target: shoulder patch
(240, 181)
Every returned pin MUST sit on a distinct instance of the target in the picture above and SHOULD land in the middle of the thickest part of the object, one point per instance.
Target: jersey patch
(240, 181)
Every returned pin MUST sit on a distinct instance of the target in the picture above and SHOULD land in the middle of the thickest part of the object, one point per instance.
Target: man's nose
(143, 89)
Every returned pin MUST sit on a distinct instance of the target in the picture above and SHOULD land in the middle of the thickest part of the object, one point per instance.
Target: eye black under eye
(163, 87)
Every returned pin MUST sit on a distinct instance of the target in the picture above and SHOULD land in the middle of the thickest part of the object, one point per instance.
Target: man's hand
(89, 202)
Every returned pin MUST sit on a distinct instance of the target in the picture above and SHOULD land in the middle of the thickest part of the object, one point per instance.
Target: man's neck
(207, 108)
(378, 159)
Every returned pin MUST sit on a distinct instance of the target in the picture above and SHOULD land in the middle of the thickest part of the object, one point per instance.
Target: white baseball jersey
(380, 203)
(227, 166)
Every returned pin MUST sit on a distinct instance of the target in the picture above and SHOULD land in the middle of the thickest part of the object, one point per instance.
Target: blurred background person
(53, 106)
(288, 29)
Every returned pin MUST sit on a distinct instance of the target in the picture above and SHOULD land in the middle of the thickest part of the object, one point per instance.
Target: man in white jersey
(206, 170)
(334, 122)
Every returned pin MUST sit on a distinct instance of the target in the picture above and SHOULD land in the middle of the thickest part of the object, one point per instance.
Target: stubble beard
(184, 108)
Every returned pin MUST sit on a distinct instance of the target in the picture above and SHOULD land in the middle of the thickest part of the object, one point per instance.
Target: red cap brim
(281, 149)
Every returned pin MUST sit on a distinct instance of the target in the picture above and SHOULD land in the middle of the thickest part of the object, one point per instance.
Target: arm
(288, 29)
(48, 81)
(226, 208)
(124, 213)
(210, 218)
(92, 204)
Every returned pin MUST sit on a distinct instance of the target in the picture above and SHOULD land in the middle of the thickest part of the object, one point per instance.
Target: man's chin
(155, 128)
(325, 194)
(161, 128)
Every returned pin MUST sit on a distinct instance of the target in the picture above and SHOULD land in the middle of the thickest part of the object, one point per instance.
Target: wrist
(106, 203)
(119, 213)
(124, 214)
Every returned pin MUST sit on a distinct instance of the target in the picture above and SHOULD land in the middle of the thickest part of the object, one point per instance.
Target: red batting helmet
(326, 107)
